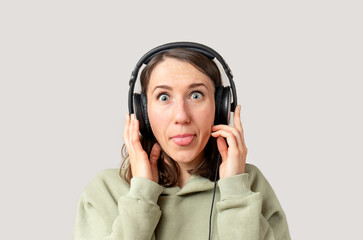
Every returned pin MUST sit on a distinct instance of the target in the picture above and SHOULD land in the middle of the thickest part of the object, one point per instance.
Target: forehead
(174, 72)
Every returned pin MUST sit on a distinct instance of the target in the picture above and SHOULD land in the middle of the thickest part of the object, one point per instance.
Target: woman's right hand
(141, 166)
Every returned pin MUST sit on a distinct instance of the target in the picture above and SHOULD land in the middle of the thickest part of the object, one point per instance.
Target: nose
(181, 113)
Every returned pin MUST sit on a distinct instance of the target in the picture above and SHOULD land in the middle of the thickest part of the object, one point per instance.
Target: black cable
(214, 194)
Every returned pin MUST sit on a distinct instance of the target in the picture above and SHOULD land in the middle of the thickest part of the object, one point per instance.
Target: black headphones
(138, 102)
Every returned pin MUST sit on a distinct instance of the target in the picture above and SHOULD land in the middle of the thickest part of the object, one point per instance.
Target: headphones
(223, 106)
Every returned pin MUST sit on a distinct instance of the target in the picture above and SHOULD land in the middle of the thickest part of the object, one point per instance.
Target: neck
(184, 175)
(183, 178)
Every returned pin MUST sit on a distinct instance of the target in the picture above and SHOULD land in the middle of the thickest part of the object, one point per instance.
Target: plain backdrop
(64, 70)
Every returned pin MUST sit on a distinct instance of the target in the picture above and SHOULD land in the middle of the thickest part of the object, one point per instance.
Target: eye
(163, 97)
(196, 95)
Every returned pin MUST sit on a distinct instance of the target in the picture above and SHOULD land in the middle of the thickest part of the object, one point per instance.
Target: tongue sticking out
(183, 141)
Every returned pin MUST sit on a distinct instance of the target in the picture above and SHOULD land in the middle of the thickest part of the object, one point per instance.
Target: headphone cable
(214, 194)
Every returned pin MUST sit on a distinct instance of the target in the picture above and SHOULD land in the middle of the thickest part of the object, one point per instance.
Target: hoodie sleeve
(135, 215)
(250, 214)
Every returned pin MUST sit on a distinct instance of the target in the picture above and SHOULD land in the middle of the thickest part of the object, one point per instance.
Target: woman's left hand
(233, 156)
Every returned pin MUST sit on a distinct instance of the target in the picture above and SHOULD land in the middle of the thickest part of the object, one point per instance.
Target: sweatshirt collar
(195, 184)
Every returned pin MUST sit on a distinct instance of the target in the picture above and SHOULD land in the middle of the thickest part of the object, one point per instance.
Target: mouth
(183, 140)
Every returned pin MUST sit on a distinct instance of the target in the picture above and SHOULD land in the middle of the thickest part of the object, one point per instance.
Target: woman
(165, 188)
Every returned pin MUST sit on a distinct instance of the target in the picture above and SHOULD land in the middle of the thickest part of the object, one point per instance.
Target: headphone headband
(205, 50)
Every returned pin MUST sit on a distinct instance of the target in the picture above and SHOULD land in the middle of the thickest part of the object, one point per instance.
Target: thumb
(222, 148)
(155, 154)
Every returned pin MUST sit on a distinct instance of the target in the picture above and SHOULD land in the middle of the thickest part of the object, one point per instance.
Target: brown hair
(167, 167)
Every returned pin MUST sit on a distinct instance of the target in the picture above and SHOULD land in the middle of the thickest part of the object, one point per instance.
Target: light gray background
(64, 68)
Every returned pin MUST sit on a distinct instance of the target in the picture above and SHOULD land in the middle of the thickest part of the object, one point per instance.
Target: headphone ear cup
(138, 113)
(217, 97)
(223, 105)
(145, 116)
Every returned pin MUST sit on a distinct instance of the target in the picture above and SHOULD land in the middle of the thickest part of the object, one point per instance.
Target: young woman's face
(181, 110)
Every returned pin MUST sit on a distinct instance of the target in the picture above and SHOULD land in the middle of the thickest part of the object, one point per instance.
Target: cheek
(205, 119)
(157, 119)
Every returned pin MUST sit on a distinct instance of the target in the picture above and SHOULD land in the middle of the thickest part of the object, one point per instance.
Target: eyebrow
(193, 85)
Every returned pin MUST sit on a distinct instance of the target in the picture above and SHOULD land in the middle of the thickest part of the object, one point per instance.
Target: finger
(237, 118)
(222, 148)
(221, 126)
(237, 134)
(125, 135)
(155, 154)
(135, 137)
(231, 139)
(235, 130)
(238, 125)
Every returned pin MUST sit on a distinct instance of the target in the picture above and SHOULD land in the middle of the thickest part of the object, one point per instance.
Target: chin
(184, 156)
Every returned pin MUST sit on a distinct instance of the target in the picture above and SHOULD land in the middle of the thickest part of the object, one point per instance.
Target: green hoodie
(246, 208)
